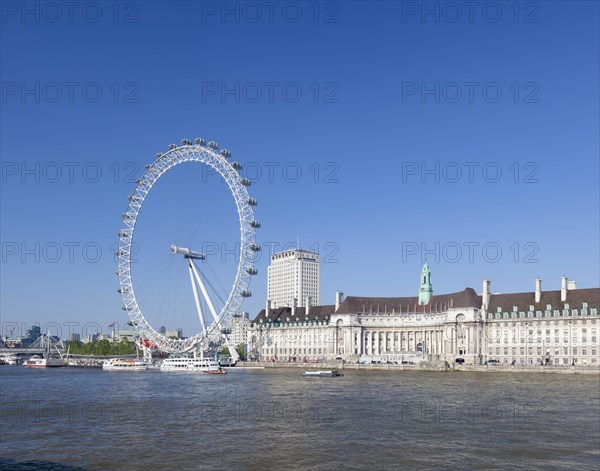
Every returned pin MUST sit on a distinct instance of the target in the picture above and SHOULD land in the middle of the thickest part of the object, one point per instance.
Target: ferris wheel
(214, 324)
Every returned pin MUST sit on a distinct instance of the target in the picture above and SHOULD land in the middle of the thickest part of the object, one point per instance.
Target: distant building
(177, 333)
(162, 330)
(293, 277)
(239, 329)
(73, 337)
(98, 336)
(24, 341)
(124, 334)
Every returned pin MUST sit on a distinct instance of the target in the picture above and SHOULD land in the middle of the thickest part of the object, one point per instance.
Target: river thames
(68, 418)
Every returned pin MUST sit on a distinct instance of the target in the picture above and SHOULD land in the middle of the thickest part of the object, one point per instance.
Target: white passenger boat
(38, 361)
(119, 364)
(327, 373)
(204, 365)
(11, 360)
(48, 359)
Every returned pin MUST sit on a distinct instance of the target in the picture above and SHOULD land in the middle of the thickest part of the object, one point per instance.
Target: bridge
(21, 351)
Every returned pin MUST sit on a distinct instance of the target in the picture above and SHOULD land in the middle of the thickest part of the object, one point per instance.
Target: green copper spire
(425, 291)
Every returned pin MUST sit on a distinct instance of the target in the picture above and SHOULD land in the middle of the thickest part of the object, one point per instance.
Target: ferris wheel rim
(207, 155)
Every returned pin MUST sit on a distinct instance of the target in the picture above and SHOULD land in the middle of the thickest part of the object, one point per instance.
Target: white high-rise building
(294, 275)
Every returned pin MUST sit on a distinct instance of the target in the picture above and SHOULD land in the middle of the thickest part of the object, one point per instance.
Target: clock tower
(425, 291)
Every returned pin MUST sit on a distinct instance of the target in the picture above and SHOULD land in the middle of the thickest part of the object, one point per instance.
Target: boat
(324, 373)
(204, 365)
(84, 364)
(118, 364)
(213, 371)
(38, 361)
(10, 360)
(48, 359)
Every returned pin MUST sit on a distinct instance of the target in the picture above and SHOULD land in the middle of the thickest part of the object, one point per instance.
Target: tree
(103, 347)
(241, 350)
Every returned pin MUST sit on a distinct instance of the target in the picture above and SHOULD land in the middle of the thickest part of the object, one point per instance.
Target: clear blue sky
(385, 89)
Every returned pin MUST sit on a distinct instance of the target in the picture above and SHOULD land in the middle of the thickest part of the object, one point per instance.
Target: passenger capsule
(225, 153)
(246, 294)
(245, 182)
(199, 141)
(252, 202)
(255, 247)
(213, 145)
(236, 165)
(252, 271)
(255, 224)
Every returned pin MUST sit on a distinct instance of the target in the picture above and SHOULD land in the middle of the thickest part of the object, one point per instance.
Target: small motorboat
(215, 371)
(324, 373)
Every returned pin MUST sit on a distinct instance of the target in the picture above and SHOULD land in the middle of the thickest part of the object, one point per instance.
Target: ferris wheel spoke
(197, 298)
(209, 302)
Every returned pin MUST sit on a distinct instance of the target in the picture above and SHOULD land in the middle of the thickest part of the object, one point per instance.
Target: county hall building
(557, 327)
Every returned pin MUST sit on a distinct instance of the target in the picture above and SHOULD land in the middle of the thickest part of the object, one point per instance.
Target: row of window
(566, 306)
(574, 351)
(584, 339)
(538, 314)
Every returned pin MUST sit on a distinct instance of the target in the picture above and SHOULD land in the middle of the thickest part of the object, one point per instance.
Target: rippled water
(68, 419)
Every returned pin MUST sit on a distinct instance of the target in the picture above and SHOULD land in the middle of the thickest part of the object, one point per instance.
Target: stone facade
(555, 327)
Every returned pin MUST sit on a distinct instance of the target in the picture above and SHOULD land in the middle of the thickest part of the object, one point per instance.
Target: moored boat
(10, 360)
(38, 361)
(48, 359)
(84, 364)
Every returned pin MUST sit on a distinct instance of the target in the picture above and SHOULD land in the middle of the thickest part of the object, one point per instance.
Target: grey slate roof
(575, 299)
(283, 313)
(359, 305)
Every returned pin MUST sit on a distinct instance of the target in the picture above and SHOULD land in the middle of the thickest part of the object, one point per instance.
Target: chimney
(538, 290)
(563, 289)
(294, 305)
(267, 308)
(485, 297)
(307, 306)
(339, 296)
(572, 284)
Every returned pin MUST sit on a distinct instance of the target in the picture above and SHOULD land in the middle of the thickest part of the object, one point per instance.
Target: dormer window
(548, 307)
(515, 308)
